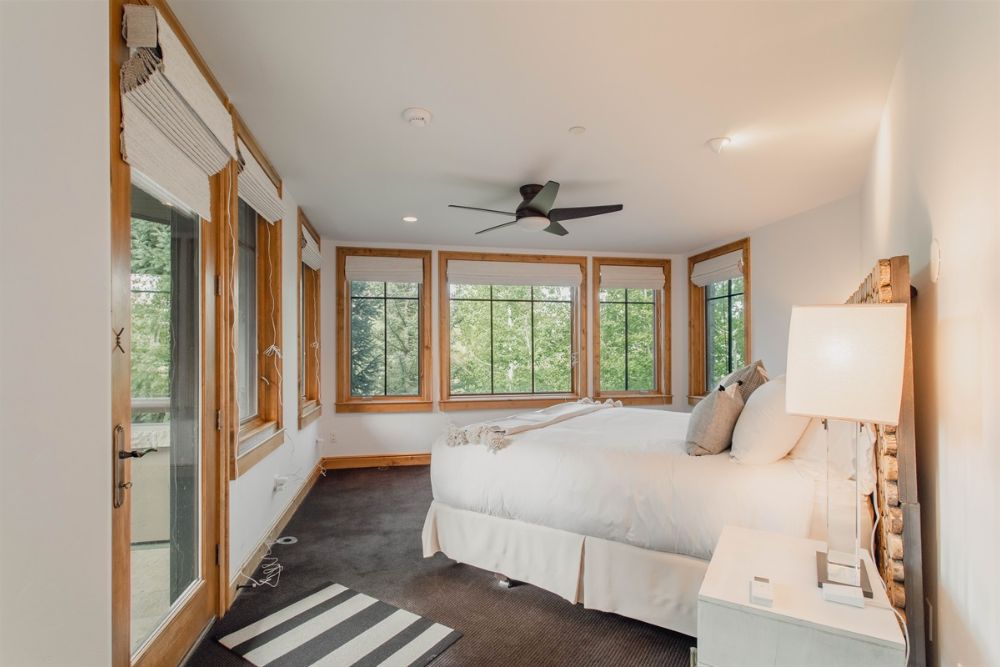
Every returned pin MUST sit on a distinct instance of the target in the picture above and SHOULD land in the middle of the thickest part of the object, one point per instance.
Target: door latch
(135, 453)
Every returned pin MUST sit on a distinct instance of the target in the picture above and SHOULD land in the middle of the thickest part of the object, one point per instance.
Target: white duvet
(623, 474)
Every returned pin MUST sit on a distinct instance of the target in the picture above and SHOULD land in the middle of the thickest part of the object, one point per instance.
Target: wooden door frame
(183, 628)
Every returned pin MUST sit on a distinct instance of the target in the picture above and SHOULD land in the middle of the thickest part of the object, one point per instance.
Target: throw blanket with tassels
(496, 434)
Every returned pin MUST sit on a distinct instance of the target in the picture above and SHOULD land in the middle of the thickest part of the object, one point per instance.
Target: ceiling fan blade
(490, 229)
(545, 199)
(558, 214)
(555, 228)
(484, 210)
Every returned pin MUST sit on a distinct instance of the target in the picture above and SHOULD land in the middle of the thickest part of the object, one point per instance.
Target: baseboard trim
(251, 563)
(375, 461)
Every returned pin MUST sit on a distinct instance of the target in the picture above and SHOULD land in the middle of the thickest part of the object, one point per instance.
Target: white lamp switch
(761, 591)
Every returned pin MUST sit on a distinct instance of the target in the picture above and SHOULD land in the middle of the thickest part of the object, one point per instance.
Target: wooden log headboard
(897, 542)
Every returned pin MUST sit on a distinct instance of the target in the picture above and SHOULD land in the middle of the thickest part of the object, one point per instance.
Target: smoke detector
(417, 116)
(718, 144)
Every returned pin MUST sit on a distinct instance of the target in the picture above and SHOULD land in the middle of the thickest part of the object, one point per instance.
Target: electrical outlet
(279, 482)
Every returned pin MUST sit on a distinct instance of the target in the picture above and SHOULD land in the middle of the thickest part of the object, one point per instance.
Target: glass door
(165, 422)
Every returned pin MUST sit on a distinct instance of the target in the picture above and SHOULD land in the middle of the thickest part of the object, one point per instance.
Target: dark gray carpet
(361, 528)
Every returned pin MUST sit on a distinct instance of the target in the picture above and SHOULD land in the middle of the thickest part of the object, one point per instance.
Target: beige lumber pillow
(710, 430)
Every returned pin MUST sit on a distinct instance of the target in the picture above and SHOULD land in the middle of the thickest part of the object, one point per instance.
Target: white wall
(809, 258)
(935, 174)
(812, 257)
(55, 344)
(254, 507)
(406, 433)
(55, 371)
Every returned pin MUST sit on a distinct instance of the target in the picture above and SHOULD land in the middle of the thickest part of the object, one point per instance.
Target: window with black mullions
(628, 339)
(724, 328)
(511, 339)
(385, 338)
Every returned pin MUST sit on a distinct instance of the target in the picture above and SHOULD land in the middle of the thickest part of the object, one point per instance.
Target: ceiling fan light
(533, 223)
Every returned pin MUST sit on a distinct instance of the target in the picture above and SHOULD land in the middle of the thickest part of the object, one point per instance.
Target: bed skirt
(651, 586)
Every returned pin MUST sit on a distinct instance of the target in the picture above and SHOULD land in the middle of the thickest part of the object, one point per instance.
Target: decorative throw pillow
(764, 432)
(710, 430)
(751, 376)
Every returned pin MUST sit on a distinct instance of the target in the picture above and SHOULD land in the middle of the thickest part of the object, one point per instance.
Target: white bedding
(623, 475)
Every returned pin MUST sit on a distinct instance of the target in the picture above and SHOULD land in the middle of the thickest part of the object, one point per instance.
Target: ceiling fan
(535, 211)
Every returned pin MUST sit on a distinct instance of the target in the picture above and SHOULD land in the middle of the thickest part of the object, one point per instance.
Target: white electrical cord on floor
(899, 616)
(270, 570)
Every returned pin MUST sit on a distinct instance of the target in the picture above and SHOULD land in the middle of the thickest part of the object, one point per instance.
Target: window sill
(505, 402)
(694, 400)
(385, 406)
(637, 398)
(256, 442)
(309, 411)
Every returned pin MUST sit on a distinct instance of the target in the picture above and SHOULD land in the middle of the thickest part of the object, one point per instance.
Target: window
(632, 330)
(310, 262)
(258, 362)
(719, 303)
(511, 329)
(246, 314)
(383, 324)
(511, 339)
(724, 327)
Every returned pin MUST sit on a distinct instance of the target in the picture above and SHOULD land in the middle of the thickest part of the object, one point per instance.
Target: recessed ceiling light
(577, 129)
(417, 116)
(409, 218)
(718, 144)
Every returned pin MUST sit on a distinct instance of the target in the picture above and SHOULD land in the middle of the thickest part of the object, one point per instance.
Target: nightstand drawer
(730, 637)
(799, 627)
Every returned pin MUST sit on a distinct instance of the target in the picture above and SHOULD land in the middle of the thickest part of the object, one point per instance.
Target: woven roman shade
(361, 268)
(256, 187)
(311, 256)
(469, 272)
(717, 269)
(631, 277)
(175, 129)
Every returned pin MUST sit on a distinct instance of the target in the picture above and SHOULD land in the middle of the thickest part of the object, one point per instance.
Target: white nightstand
(800, 627)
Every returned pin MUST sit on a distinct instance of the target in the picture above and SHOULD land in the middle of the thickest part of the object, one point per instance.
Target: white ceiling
(799, 87)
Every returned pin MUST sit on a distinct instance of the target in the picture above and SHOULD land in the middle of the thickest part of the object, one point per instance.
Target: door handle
(135, 453)
(118, 486)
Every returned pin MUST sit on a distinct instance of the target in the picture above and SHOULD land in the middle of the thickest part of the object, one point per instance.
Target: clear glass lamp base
(841, 562)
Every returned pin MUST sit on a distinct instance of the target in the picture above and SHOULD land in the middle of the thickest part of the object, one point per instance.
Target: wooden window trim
(661, 395)
(310, 407)
(270, 369)
(697, 380)
(495, 402)
(347, 403)
(244, 133)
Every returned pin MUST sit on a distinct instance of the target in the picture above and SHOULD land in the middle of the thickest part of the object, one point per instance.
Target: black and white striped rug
(336, 626)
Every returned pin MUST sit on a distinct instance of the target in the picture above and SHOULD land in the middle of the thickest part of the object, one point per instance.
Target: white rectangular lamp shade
(846, 362)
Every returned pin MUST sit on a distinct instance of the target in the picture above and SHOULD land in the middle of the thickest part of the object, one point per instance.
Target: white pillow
(764, 432)
(813, 444)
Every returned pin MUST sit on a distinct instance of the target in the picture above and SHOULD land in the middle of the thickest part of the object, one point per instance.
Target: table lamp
(845, 363)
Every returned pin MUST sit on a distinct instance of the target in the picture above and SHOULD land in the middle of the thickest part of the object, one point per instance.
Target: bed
(608, 510)
(608, 502)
